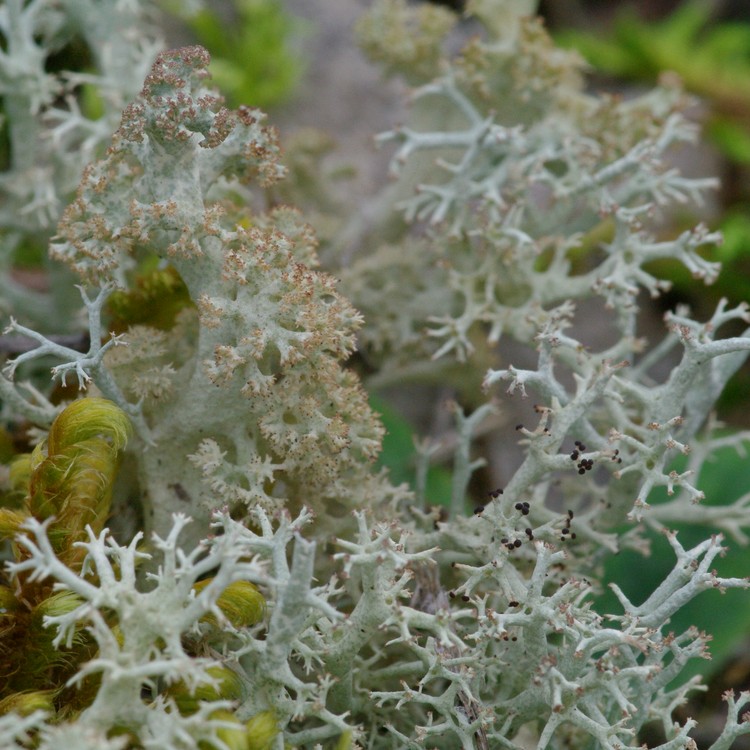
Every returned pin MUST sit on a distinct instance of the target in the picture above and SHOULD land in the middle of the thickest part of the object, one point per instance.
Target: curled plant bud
(87, 419)
(58, 604)
(226, 685)
(72, 472)
(233, 737)
(28, 702)
(345, 741)
(261, 730)
(240, 602)
(19, 475)
(156, 298)
(10, 522)
(69, 477)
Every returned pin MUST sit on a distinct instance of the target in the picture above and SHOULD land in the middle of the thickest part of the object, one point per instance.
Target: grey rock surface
(341, 93)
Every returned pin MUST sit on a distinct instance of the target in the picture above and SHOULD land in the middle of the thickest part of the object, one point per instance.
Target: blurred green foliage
(399, 455)
(251, 58)
(712, 59)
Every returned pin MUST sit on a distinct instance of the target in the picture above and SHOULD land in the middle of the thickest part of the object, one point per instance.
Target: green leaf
(732, 138)
(399, 455)
(252, 61)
